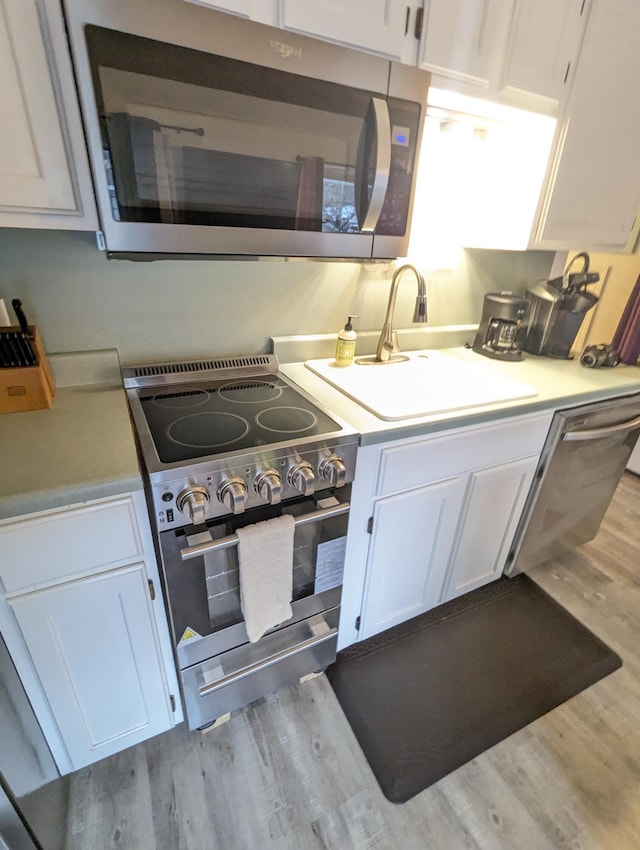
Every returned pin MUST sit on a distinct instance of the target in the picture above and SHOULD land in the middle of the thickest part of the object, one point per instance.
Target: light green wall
(173, 309)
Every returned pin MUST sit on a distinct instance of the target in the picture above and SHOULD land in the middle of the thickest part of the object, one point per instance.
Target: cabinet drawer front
(51, 547)
(414, 463)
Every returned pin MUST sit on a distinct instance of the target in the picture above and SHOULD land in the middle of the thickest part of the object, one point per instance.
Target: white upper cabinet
(542, 46)
(383, 27)
(378, 26)
(263, 11)
(464, 39)
(575, 185)
(593, 192)
(44, 171)
(519, 52)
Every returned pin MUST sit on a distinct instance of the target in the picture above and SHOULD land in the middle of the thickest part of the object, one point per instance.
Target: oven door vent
(241, 366)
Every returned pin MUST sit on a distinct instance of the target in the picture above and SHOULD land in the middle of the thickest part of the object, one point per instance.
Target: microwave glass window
(196, 139)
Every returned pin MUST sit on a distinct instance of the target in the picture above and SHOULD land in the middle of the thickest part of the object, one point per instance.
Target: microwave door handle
(382, 124)
(165, 175)
(599, 433)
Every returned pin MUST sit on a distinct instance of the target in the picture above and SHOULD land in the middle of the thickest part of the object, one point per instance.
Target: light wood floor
(287, 773)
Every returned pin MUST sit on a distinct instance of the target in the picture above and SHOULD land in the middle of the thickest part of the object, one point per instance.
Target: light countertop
(80, 449)
(560, 383)
(83, 447)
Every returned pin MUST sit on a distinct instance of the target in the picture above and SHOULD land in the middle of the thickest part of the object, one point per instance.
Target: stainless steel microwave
(212, 135)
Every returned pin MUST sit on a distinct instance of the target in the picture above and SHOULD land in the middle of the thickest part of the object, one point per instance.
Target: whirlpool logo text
(286, 50)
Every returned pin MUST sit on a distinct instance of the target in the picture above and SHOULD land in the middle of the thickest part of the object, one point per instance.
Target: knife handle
(16, 303)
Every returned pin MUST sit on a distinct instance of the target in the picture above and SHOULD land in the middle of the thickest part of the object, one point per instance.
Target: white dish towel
(265, 556)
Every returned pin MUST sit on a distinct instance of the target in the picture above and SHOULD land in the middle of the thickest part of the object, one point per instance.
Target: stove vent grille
(246, 361)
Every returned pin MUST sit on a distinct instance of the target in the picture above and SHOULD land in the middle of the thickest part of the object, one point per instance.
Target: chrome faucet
(388, 342)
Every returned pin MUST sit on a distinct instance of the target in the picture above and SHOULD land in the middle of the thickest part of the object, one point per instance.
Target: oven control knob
(269, 485)
(333, 470)
(193, 503)
(233, 493)
(303, 478)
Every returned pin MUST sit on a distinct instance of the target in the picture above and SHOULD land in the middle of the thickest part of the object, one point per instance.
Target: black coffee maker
(557, 309)
(501, 326)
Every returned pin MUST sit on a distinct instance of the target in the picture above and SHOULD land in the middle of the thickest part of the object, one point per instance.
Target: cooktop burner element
(222, 436)
(287, 420)
(200, 431)
(255, 392)
(180, 400)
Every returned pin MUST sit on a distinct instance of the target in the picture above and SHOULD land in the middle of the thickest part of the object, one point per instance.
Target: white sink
(426, 383)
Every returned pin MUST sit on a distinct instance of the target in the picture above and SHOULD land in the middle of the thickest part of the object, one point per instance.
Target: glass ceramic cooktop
(203, 419)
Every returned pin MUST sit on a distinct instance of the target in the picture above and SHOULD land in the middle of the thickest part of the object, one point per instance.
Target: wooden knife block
(27, 387)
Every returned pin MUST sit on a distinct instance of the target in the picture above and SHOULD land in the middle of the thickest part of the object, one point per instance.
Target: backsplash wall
(181, 309)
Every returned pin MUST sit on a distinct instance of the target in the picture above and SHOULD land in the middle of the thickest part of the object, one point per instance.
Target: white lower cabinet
(94, 647)
(494, 501)
(82, 615)
(433, 517)
(411, 542)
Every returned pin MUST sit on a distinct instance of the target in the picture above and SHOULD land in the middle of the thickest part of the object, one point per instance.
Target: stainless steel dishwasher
(582, 461)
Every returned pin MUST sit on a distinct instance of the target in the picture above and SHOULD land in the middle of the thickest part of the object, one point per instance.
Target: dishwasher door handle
(599, 433)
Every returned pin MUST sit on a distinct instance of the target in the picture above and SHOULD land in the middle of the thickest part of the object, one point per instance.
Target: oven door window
(196, 139)
(204, 593)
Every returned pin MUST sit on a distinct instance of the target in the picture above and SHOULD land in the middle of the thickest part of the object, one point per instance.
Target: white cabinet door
(412, 538)
(465, 39)
(543, 44)
(379, 26)
(520, 52)
(95, 649)
(44, 173)
(264, 11)
(593, 192)
(495, 499)
(433, 517)
(235, 7)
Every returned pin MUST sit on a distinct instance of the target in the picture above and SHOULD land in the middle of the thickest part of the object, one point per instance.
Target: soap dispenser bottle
(346, 344)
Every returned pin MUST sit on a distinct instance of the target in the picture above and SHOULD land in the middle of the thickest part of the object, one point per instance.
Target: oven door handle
(232, 540)
(269, 661)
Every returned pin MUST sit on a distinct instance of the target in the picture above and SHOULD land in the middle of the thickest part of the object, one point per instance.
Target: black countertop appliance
(557, 309)
(499, 332)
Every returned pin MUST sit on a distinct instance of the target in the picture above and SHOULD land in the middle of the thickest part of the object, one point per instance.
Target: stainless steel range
(225, 443)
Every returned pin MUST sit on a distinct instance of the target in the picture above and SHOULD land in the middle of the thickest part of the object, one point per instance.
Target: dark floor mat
(427, 696)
